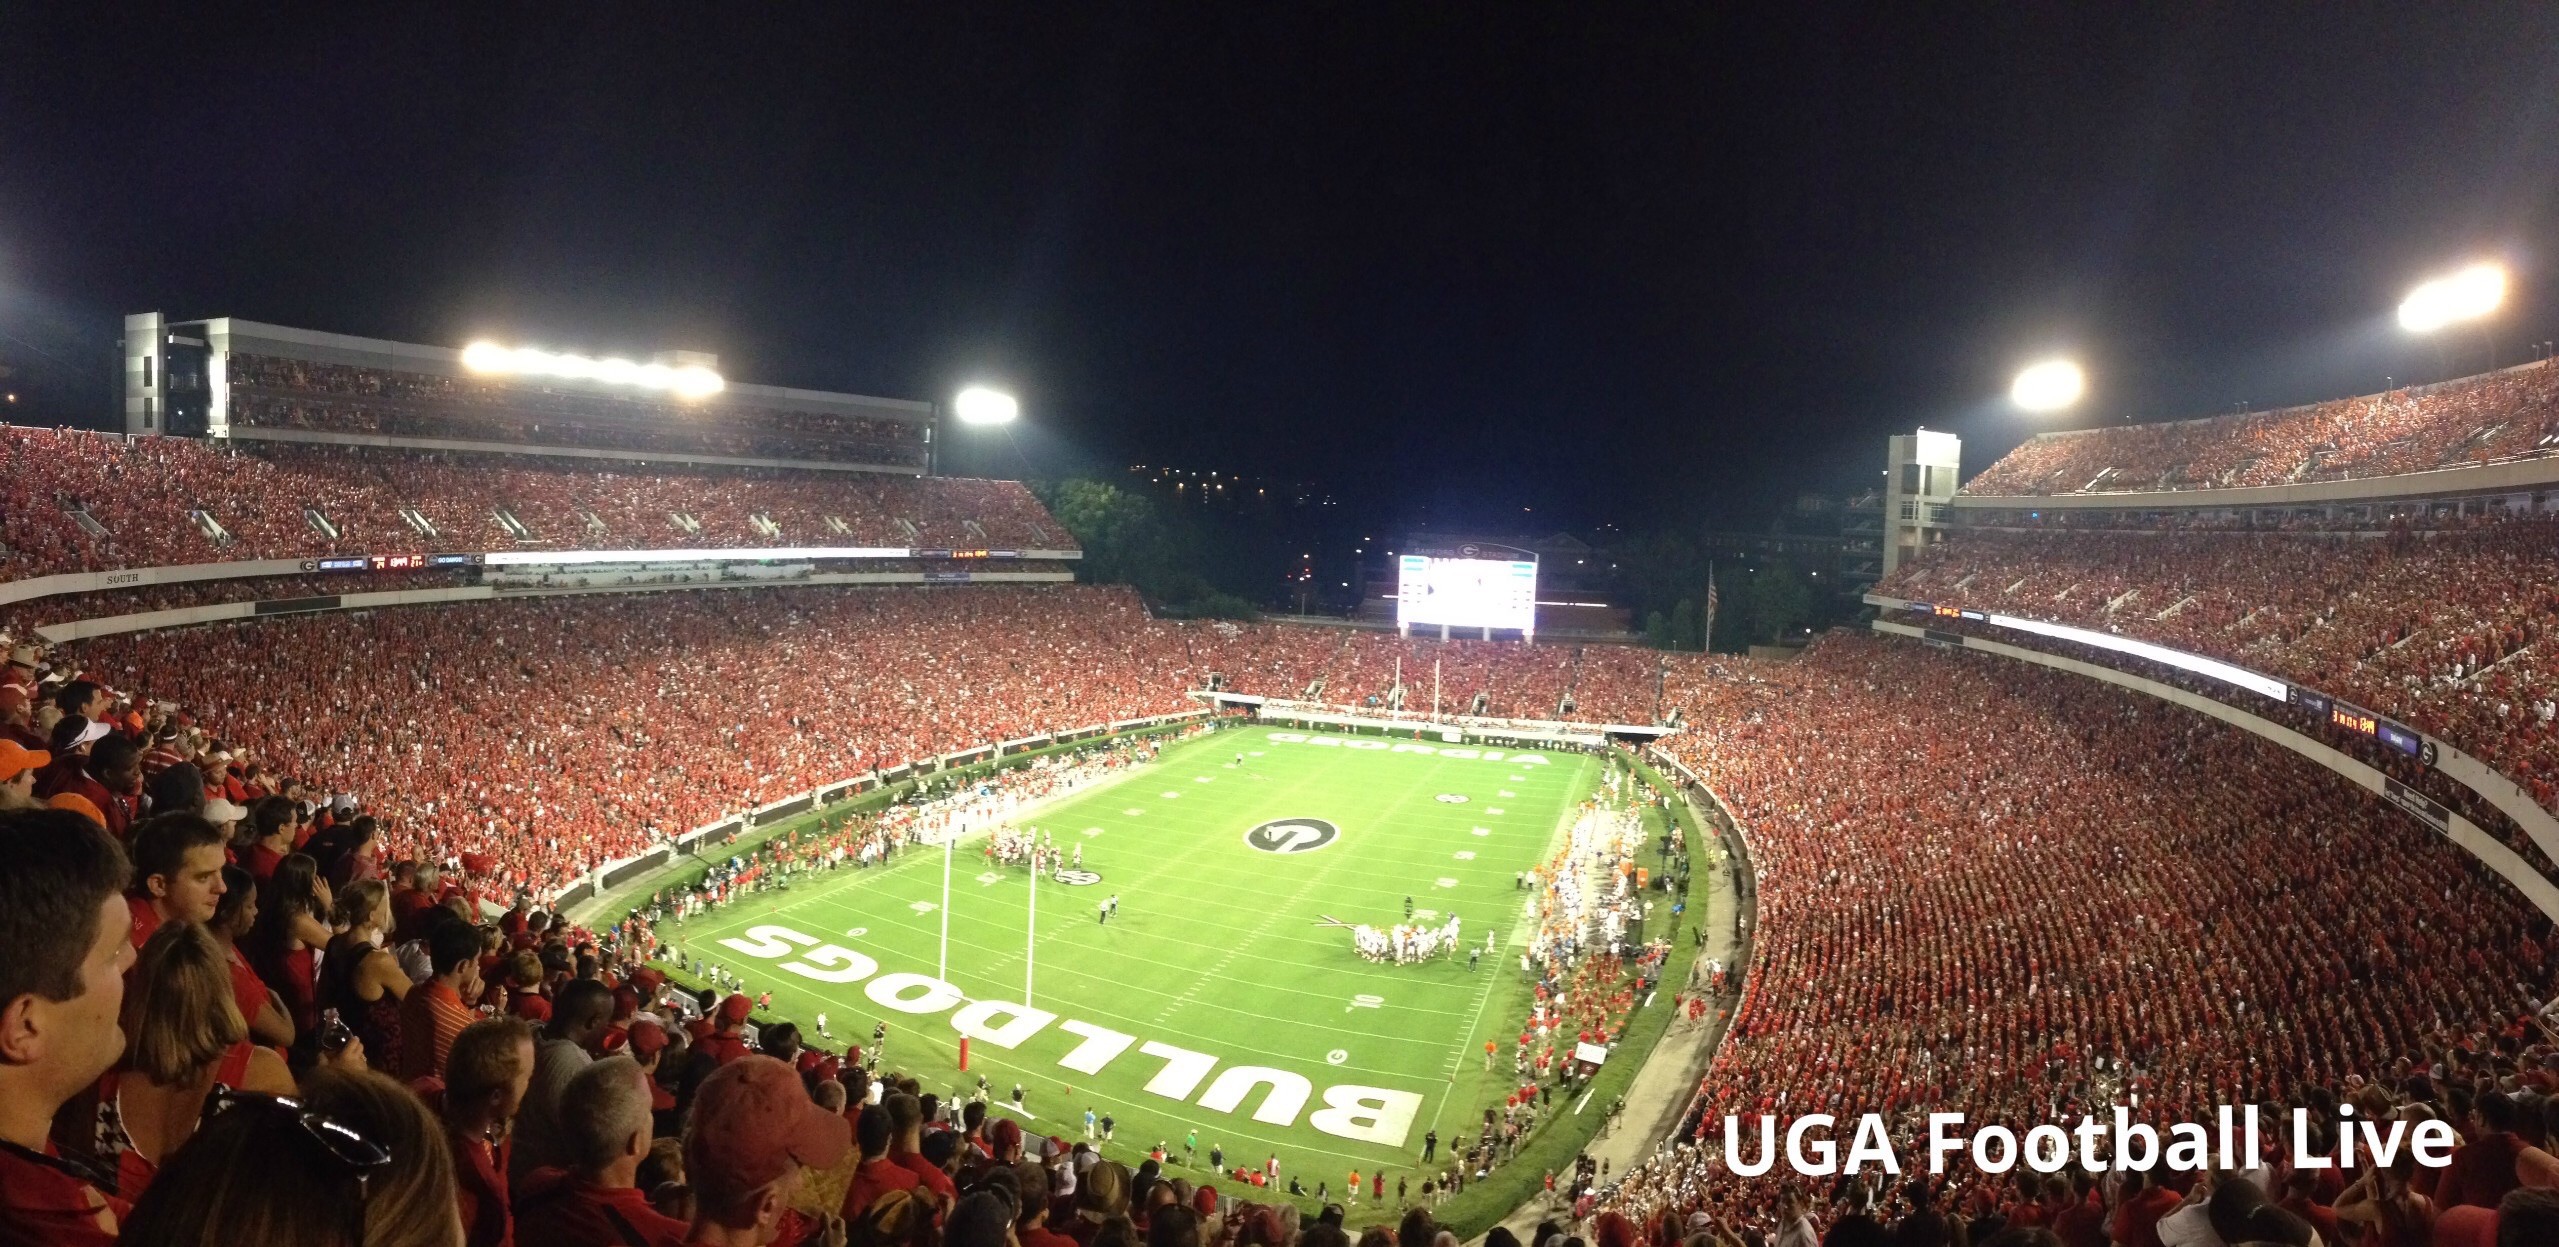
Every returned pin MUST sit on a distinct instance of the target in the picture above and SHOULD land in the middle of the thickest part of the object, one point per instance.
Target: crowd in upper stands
(279, 393)
(2450, 631)
(2016, 894)
(2482, 419)
(142, 499)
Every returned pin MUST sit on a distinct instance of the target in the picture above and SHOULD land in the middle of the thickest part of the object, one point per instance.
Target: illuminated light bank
(2210, 668)
(1363, 1114)
(682, 380)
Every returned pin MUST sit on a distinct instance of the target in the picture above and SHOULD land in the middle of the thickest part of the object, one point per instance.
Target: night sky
(1613, 264)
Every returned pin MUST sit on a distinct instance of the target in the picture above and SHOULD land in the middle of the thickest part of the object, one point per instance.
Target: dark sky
(1610, 262)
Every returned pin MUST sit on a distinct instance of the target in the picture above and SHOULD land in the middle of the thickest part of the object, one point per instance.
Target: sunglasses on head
(345, 1149)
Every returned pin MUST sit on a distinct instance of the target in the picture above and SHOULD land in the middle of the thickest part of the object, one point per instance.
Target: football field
(1222, 997)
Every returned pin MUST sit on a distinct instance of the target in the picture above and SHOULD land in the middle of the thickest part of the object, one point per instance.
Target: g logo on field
(1077, 878)
(1292, 835)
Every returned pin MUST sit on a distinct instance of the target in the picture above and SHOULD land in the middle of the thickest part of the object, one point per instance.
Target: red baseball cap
(647, 1037)
(751, 1122)
(734, 1009)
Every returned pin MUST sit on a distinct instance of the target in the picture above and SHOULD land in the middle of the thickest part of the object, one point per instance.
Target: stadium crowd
(274, 392)
(2015, 894)
(537, 738)
(142, 499)
(2491, 417)
(537, 1088)
(2451, 632)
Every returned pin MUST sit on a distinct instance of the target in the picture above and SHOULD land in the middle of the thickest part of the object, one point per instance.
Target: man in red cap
(754, 1131)
(725, 1044)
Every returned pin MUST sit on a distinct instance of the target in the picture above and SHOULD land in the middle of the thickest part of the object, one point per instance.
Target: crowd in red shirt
(2016, 894)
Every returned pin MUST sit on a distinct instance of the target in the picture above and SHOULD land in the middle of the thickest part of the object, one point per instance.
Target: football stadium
(483, 790)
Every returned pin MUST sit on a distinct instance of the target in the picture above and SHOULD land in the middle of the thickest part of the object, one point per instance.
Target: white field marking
(1508, 793)
(1495, 810)
(1466, 855)
(1483, 831)
(1425, 915)
(1204, 779)
(1092, 831)
(1008, 1107)
(1518, 778)
(1337, 1056)
(1577, 1109)
(923, 907)
(990, 879)
(1172, 794)
(1252, 753)
(1132, 811)
(1444, 882)
(857, 932)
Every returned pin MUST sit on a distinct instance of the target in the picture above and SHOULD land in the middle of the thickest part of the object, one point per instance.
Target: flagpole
(1031, 941)
(1434, 690)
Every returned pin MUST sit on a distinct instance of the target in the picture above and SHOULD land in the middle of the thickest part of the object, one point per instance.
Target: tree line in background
(1185, 564)
(1664, 574)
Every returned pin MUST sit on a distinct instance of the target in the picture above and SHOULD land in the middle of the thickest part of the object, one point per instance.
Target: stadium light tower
(980, 405)
(2049, 386)
(2468, 295)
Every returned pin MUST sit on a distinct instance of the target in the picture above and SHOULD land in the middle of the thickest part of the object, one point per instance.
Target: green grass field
(1219, 948)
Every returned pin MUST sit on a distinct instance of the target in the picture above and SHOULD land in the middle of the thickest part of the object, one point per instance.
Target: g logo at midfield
(1292, 835)
(1077, 878)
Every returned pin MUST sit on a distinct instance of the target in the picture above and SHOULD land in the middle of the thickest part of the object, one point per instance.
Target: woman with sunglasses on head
(357, 1162)
(187, 1036)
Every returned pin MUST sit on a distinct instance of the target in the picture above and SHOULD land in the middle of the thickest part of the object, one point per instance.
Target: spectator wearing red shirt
(63, 956)
(594, 1200)
(877, 1175)
(234, 916)
(436, 1011)
(17, 723)
(177, 873)
(754, 1132)
(724, 1044)
(485, 1075)
(2136, 1220)
(906, 1143)
(2483, 1169)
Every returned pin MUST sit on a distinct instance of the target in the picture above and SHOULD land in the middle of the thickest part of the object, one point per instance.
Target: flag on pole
(1709, 639)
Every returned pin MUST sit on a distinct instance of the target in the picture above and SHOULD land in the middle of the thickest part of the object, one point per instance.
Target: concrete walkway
(1668, 1081)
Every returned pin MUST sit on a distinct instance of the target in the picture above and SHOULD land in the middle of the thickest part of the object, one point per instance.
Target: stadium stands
(2448, 631)
(2019, 895)
(548, 735)
(2476, 420)
(73, 501)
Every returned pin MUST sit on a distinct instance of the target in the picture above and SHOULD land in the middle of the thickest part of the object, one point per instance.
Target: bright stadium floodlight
(2048, 386)
(684, 381)
(980, 405)
(2467, 295)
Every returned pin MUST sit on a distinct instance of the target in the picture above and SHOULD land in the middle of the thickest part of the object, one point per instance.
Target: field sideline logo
(1376, 745)
(1076, 878)
(1379, 1115)
(1292, 835)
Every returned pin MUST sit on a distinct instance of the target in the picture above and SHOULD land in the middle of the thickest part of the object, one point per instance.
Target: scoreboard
(1464, 591)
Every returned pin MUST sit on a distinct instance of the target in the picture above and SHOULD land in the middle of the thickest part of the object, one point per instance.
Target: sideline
(1667, 1082)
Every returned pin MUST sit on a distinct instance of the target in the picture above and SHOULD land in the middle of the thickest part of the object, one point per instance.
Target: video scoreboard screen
(1466, 592)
